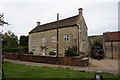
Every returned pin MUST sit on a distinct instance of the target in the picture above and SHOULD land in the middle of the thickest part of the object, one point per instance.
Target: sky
(22, 15)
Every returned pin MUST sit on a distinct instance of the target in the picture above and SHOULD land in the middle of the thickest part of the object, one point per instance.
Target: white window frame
(33, 48)
(43, 39)
(66, 38)
(33, 41)
(54, 49)
(66, 48)
(54, 38)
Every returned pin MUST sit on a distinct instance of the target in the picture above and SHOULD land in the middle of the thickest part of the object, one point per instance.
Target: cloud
(100, 15)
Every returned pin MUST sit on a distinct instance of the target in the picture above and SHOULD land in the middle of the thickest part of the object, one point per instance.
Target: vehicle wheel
(98, 57)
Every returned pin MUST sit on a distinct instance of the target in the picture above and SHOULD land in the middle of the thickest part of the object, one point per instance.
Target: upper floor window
(66, 38)
(43, 39)
(33, 41)
(54, 38)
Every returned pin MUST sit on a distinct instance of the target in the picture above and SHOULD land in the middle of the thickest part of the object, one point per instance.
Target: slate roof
(112, 36)
(71, 21)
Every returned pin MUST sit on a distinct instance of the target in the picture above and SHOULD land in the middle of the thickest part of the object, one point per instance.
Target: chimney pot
(80, 10)
(38, 23)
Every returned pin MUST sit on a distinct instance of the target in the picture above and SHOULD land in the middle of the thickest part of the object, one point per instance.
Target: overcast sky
(100, 15)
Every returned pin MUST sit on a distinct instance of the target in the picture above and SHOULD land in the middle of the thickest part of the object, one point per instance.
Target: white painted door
(43, 51)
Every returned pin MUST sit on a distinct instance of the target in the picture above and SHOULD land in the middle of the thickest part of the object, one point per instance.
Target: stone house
(65, 33)
(111, 44)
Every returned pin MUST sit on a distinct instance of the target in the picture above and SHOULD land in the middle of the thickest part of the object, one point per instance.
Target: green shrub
(71, 52)
(52, 53)
(31, 52)
(8, 49)
(23, 49)
(16, 49)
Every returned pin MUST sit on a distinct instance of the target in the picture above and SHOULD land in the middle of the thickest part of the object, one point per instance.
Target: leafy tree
(98, 42)
(23, 40)
(11, 40)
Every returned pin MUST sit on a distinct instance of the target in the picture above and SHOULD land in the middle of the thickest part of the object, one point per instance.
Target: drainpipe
(112, 49)
(78, 42)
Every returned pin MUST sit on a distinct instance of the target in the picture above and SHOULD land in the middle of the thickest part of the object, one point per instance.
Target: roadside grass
(24, 71)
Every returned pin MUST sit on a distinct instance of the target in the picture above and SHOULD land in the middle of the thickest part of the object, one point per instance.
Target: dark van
(97, 53)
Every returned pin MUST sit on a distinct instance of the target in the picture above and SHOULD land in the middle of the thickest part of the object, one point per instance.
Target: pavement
(106, 66)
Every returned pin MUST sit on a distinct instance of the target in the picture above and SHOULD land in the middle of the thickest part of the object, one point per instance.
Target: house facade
(111, 44)
(64, 33)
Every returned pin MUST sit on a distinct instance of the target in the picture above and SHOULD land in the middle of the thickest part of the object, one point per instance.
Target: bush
(7, 49)
(52, 53)
(23, 49)
(16, 49)
(31, 52)
(71, 52)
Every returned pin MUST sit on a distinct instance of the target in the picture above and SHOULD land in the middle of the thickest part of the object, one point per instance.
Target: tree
(98, 42)
(11, 40)
(23, 40)
(2, 22)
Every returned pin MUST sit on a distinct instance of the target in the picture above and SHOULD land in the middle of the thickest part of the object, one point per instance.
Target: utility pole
(2, 22)
(1, 56)
(57, 36)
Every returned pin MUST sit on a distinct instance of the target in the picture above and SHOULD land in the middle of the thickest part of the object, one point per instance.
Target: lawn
(24, 71)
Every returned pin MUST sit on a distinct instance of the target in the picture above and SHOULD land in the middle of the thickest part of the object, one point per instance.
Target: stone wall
(71, 61)
(35, 40)
(115, 48)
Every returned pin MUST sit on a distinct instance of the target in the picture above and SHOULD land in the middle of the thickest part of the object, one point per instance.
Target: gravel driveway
(105, 64)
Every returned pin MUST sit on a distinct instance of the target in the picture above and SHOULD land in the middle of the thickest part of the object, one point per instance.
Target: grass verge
(24, 71)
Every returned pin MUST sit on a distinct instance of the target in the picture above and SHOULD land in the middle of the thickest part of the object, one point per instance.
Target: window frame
(66, 48)
(43, 39)
(53, 38)
(54, 49)
(33, 49)
(66, 38)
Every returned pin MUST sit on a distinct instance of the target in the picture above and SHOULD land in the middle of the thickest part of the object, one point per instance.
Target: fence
(71, 61)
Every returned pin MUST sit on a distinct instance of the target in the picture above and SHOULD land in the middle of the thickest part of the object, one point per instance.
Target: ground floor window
(66, 48)
(33, 48)
(54, 49)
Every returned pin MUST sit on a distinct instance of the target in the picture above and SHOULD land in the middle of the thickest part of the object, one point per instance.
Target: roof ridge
(52, 25)
(59, 20)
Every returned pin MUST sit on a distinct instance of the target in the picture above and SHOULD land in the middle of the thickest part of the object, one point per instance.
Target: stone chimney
(38, 23)
(80, 11)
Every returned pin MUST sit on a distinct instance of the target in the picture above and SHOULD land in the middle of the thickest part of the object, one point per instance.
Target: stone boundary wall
(71, 61)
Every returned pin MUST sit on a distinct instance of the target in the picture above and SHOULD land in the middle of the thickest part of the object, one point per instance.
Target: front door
(43, 51)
